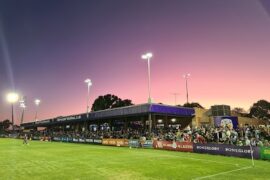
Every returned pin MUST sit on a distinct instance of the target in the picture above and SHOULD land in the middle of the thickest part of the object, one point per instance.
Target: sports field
(54, 160)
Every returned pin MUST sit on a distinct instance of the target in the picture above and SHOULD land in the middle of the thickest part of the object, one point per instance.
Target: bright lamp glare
(12, 97)
(144, 56)
(22, 106)
(160, 121)
(173, 119)
(37, 102)
(186, 75)
(147, 55)
(88, 82)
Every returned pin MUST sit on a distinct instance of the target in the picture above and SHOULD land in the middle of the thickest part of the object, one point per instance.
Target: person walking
(25, 139)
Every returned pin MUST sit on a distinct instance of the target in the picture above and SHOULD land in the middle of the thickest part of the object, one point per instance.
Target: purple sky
(48, 48)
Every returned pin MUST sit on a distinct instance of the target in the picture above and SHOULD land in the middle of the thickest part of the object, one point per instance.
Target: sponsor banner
(89, 140)
(75, 140)
(265, 153)
(226, 150)
(82, 140)
(223, 121)
(136, 143)
(56, 138)
(115, 142)
(36, 138)
(173, 145)
(148, 144)
(97, 141)
(133, 143)
(68, 118)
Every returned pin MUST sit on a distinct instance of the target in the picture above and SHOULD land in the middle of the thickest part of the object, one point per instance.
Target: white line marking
(213, 175)
(196, 159)
(205, 160)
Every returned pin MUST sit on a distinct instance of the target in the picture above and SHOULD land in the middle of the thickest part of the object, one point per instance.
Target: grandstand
(146, 116)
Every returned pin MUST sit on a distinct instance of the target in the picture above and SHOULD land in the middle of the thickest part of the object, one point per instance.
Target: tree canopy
(260, 110)
(4, 125)
(109, 101)
(193, 105)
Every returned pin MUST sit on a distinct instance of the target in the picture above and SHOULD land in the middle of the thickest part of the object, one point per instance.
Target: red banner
(115, 142)
(173, 146)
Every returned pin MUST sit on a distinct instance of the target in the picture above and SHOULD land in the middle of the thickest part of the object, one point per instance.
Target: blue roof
(133, 110)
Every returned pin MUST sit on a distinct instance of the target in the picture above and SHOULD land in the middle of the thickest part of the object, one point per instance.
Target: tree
(4, 125)
(193, 105)
(240, 112)
(109, 101)
(260, 110)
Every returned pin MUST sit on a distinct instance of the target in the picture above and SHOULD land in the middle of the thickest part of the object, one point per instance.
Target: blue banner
(136, 143)
(223, 121)
(227, 150)
(133, 143)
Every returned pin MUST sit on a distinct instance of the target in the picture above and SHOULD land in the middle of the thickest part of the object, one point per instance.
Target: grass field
(54, 160)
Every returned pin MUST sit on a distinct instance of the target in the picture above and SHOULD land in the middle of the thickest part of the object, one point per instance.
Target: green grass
(54, 160)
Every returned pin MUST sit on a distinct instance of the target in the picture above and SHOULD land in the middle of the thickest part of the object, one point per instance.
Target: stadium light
(12, 98)
(89, 84)
(37, 103)
(173, 120)
(23, 106)
(148, 56)
(175, 97)
(160, 121)
(186, 76)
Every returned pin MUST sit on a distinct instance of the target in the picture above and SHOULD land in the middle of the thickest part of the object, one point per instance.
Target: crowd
(256, 136)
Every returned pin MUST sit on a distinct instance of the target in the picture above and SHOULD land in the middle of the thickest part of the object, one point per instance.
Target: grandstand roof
(133, 110)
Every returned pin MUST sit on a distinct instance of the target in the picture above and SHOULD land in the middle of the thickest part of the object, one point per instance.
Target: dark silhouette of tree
(5, 124)
(109, 101)
(260, 110)
(240, 112)
(193, 105)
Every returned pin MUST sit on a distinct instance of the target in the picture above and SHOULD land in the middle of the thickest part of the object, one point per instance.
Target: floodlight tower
(12, 98)
(148, 56)
(89, 84)
(37, 103)
(23, 106)
(186, 76)
(175, 97)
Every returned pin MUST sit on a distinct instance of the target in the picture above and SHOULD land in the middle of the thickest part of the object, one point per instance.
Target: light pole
(175, 97)
(148, 56)
(89, 84)
(37, 102)
(23, 106)
(12, 98)
(186, 76)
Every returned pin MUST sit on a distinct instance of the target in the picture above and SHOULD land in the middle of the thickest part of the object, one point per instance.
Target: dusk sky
(48, 48)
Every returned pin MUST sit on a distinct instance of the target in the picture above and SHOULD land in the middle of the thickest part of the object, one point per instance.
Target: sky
(49, 47)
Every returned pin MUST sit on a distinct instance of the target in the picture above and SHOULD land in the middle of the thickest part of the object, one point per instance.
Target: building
(208, 116)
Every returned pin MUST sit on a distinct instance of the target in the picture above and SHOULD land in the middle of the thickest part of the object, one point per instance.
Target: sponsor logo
(266, 151)
(69, 118)
(248, 151)
(97, 141)
(208, 148)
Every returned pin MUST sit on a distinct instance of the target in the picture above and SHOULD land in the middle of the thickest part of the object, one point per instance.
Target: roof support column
(150, 122)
